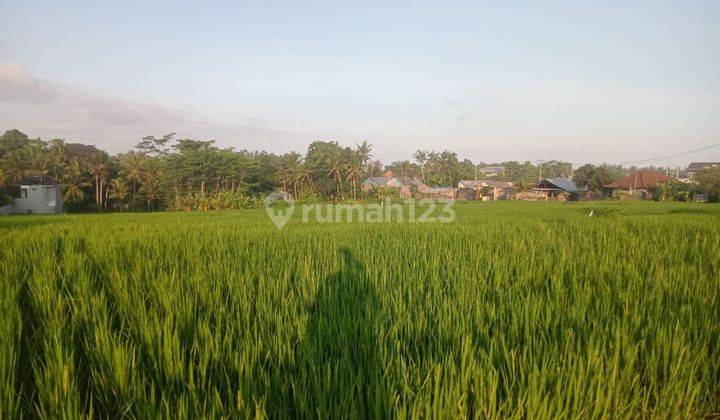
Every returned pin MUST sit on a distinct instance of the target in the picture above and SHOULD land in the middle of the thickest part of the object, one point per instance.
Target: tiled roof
(640, 180)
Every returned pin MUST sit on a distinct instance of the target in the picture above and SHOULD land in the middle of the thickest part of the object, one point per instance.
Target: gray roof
(383, 180)
(411, 181)
(563, 184)
(379, 180)
(699, 166)
(485, 183)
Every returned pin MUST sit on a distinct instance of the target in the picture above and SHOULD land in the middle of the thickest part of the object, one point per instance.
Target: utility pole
(540, 162)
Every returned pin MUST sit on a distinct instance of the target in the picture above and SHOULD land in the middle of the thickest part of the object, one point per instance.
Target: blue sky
(591, 82)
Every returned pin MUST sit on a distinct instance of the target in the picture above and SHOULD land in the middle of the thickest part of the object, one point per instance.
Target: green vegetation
(166, 173)
(515, 309)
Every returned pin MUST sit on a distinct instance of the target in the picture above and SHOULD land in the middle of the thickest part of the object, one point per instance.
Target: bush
(225, 200)
(4, 199)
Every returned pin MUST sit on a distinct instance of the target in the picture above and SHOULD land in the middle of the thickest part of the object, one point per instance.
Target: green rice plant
(521, 310)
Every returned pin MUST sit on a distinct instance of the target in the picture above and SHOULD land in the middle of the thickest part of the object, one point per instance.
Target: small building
(492, 171)
(695, 167)
(438, 193)
(551, 189)
(405, 186)
(35, 194)
(641, 184)
(485, 190)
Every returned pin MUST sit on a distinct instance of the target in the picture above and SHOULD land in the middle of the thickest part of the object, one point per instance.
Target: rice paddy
(530, 310)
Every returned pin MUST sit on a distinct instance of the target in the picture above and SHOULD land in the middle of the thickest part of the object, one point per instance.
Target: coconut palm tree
(36, 158)
(118, 191)
(363, 151)
(99, 170)
(336, 165)
(74, 181)
(58, 158)
(14, 165)
(131, 164)
(283, 172)
(293, 162)
(151, 190)
(421, 157)
(305, 176)
(354, 171)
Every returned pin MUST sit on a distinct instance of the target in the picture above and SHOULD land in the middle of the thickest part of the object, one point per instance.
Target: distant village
(170, 174)
(641, 184)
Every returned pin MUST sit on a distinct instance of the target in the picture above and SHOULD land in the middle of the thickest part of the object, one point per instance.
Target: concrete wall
(38, 199)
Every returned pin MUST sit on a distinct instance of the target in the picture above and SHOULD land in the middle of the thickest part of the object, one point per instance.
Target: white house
(34, 194)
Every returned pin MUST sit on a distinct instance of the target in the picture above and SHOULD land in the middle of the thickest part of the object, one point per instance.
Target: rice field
(522, 310)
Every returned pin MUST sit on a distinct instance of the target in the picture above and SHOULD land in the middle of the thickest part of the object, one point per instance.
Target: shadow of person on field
(338, 371)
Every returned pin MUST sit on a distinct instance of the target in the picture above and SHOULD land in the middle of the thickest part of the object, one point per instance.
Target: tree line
(169, 173)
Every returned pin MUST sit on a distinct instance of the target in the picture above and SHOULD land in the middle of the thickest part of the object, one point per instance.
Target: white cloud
(16, 85)
(51, 110)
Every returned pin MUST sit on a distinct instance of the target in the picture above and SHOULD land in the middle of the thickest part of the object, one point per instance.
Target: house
(695, 167)
(641, 184)
(35, 194)
(405, 186)
(485, 190)
(492, 170)
(551, 189)
(438, 193)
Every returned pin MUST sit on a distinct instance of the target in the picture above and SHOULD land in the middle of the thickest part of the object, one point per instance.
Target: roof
(410, 181)
(497, 184)
(439, 190)
(36, 179)
(469, 183)
(383, 180)
(492, 170)
(640, 180)
(379, 180)
(699, 166)
(562, 184)
(485, 183)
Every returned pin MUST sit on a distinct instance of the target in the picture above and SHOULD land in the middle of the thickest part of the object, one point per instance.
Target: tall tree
(354, 172)
(131, 164)
(73, 182)
(118, 192)
(421, 158)
(99, 170)
(363, 151)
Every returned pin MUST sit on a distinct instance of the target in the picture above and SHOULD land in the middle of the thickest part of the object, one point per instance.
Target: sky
(594, 81)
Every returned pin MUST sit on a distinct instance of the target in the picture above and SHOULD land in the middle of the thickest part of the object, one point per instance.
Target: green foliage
(5, 199)
(675, 191)
(709, 182)
(164, 173)
(595, 177)
(224, 200)
(381, 192)
(515, 309)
